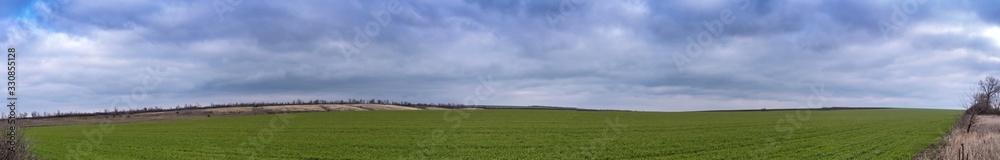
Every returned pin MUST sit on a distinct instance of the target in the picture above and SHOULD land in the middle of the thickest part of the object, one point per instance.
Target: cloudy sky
(78, 55)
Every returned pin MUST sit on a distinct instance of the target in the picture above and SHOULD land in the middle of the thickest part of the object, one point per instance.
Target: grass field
(510, 134)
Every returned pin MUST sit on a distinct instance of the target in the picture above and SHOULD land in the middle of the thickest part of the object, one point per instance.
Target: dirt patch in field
(436, 108)
(228, 110)
(378, 107)
(337, 107)
(210, 112)
(294, 108)
(79, 120)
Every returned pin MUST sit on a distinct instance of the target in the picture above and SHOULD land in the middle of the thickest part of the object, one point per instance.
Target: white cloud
(604, 55)
(994, 34)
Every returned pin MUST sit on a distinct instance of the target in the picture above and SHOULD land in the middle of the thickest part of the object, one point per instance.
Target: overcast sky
(630, 54)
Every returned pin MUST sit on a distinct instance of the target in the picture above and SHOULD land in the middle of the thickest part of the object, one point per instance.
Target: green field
(510, 134)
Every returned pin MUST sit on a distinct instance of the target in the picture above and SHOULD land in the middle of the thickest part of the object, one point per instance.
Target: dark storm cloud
(577, 53)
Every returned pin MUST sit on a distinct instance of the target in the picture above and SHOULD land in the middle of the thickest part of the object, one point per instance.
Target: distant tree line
(116, 112)
(347, 101)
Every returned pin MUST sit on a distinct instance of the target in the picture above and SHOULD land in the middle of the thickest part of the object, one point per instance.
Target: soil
(207, 113)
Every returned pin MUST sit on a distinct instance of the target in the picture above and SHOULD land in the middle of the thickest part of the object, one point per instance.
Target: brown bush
(20, 149)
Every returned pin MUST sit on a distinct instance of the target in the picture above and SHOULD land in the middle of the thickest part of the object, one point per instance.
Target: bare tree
(993, 96)
(989, 88)
(971, 114)
(982, 101)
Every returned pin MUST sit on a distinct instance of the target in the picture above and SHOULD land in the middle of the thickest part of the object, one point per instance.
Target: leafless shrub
(20, 148)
